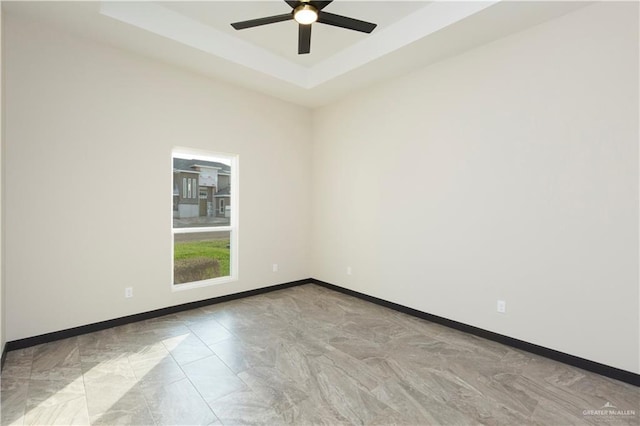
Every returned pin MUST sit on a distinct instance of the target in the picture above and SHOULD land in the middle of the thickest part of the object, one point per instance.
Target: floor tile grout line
(84, 384)
(538, 381)
(26, 393)
(236, 374)
(146, 402)
(199, 393)
(26, 399)
(125, 354)
(187, 375)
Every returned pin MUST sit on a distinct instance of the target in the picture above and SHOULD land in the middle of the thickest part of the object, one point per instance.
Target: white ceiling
(282, 38)
(197, 35)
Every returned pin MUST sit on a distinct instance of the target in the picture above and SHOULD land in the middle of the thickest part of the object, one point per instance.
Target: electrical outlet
(275, 267)
(349, 270)
(128, 292)
(502, 306)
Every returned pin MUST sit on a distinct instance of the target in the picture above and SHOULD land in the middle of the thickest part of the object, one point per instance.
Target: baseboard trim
(4, 357)
(90, 328)
(585, 364)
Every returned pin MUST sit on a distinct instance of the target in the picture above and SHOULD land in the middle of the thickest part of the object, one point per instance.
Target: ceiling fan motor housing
(305, 13)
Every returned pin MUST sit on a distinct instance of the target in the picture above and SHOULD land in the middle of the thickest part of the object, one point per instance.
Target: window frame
(232, 228)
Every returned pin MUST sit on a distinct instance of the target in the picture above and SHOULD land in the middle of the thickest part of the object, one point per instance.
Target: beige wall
(89, 134)
(508, 172)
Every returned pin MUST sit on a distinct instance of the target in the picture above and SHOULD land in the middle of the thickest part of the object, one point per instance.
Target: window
(204, 238)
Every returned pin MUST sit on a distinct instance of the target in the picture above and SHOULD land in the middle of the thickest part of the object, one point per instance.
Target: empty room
(320, 212)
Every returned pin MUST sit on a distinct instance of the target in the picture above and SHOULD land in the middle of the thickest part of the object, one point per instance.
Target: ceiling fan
(305, 13)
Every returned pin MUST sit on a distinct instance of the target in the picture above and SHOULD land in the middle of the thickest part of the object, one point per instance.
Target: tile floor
(304, 355)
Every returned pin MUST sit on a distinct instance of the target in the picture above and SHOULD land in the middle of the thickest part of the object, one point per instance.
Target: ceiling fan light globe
(305, 14)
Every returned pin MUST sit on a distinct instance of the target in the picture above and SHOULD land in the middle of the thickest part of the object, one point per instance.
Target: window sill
(203, 283)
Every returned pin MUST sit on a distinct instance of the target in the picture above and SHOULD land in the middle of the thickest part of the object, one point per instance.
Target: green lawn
(201, 260)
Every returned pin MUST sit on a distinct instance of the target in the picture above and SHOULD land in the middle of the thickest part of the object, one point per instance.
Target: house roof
(224, 192)
(203, 166)
(185, 171)
(184, 164)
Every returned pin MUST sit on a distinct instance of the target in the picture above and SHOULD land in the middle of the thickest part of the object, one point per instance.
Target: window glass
(201, 256)
(204, 223)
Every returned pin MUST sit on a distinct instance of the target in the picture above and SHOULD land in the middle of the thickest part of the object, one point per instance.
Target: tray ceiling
(197, 35)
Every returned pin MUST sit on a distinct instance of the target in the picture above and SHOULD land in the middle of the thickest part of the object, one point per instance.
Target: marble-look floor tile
(212, 378)
(193, 316)
(56, 402)
(178, 403)
(116, 366)
(585, 389)
(70, 412)
(147, 352)
(599, 390)
(415, 324)
(166, 328)
(210, 331)
(158, 372)
(21, 356)
(345, 367)
(108, 390)
(59, 360)
(116, 400)
(13, 399)
(245, 408)
(239, 355)
(108, 353)
(506, 395)
(18, 364)
(256, 336)
(346, 391)
(372, 328)
(232, 316)
(58, 373)
(404, 399)
(124, 415)
(313, 411)
(98, 340)
(186, 348)
(293, 356)
(307, 356)
(418, 406)
(16, 372)
(281, 393)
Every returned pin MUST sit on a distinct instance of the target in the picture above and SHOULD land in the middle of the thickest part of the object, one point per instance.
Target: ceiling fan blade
(320, 4)
(344, 22)
(293, 3)
(304, 39)
(261, 21)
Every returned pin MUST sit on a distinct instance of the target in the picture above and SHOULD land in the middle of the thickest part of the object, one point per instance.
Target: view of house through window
(204, 224)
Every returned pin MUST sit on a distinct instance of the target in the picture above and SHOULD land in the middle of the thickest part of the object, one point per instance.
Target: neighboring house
(200, 188)
(223, 196)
